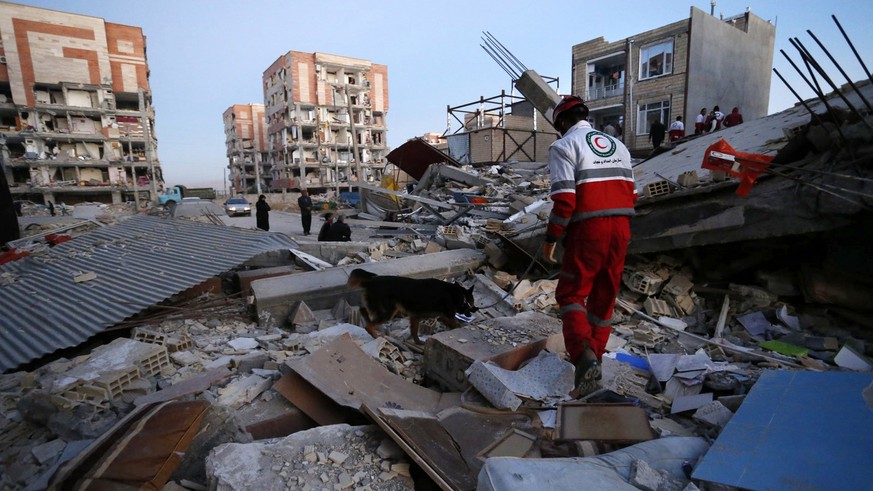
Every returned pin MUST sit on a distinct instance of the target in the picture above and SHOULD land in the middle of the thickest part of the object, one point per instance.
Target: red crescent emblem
(598, 141)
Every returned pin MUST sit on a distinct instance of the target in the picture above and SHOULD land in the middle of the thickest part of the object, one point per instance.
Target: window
(656, 60)
(651, 112)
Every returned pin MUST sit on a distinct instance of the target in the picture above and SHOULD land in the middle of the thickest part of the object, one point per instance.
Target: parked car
(237, 206)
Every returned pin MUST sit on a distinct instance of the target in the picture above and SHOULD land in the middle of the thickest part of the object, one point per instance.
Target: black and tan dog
(384, 297)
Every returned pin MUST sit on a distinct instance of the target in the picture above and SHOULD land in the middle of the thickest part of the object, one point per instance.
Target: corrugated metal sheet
(139, 262)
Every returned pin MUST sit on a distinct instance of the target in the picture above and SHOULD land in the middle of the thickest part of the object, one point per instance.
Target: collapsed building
(326, 120)
(76, 109)
(245, 140)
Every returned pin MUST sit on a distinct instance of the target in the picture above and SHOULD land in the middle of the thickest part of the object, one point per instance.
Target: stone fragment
(250, 360)
(241, 344)
(48, 451)
(337, 457)
(185, 358)
(644, 477)
(401, 469)
(714, 414)
(388, 449)
(242, 391)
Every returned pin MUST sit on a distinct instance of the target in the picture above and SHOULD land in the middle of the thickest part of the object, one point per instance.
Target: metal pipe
(846, 37)
(840, 68)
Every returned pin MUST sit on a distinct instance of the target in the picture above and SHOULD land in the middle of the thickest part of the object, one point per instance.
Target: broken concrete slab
(713, 414)
(190, 386)
(322, 289)
(246, 278)
(242, 391)
(311, 401)
(280, 464)
(241, 344)
(351, 378)
(507, 341)
(608, 471)
(546, 378)
(48, 451)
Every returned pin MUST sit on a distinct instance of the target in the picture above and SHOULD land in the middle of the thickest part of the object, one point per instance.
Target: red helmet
(569, 102)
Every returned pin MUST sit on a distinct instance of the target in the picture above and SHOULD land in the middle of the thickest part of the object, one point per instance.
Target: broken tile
(242, 344)
(688, 403)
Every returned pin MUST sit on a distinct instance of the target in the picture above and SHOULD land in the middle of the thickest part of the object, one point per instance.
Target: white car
(237, 206)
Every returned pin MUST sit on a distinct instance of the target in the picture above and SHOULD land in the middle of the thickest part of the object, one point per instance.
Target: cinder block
(155, 362)
(655, 307)
(689, 179)
(115, 382)
(657, 188)
(643, 282)
(148, 336)
(507, 341)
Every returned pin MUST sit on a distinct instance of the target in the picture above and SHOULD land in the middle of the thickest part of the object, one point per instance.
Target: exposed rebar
(851, 45)
(842, 72)
(500, 54)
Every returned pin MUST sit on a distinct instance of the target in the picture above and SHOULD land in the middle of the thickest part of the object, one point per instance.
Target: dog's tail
(358, 277)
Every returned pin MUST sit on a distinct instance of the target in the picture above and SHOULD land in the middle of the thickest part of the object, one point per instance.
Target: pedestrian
(339, 231)
(262, 213)
(325, 229)
(305, 204)
(593, 199)
(51, 207)
(63, 207)
(677, 129)
(734, 118)
(700, 122)
(657, 132)
(718, 117)
(609, 129)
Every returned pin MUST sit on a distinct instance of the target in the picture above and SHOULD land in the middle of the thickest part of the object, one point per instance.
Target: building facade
(248, 166)
(75, 108)
(676, 70)
(326, 122)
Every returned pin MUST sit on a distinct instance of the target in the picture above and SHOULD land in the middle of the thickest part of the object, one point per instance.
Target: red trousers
(591, 268)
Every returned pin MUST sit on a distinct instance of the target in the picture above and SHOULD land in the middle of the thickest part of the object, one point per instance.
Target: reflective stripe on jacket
(591, 177)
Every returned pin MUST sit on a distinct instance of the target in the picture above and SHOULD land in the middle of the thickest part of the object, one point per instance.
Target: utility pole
(356, 154)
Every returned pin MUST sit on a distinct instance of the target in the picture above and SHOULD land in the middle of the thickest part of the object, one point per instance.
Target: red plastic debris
(55, 239)
(12, 255)
(746, 166)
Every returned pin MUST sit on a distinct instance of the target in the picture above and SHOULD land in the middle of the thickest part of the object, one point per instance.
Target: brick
(657, 188)
(655, 307)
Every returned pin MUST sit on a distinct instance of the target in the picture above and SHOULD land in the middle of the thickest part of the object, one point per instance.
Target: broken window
(651, 112)
(656, 60)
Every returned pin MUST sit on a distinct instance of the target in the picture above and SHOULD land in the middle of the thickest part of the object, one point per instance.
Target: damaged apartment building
(325, 119)
(248, 164)
(676, 70)
(75, 108)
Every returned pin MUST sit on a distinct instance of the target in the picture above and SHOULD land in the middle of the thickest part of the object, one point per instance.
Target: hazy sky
(206, 55)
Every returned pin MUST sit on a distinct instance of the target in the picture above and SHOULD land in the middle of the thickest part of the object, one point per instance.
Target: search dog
(385, 297)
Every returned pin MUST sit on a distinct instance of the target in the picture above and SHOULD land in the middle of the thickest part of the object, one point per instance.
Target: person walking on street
(305, 204)
(656, 133)
(324, 233)
(593, 194)
(262, 213)
(51, 207)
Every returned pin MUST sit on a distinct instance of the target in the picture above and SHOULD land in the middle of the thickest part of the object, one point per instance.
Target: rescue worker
(593, 193)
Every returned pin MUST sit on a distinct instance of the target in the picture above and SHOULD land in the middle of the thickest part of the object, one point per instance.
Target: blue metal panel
(797, 430)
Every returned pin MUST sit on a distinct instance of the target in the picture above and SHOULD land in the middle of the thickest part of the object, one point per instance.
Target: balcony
(604, 92)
